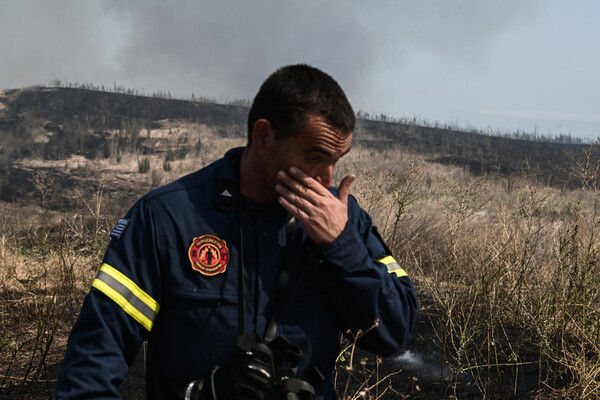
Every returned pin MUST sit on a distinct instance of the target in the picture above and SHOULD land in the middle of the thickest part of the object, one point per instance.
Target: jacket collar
(228, 185)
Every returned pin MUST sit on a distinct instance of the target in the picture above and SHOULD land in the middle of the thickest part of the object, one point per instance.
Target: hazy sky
(505, 65)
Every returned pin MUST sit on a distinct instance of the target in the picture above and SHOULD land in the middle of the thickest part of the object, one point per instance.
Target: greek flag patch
(119, 228)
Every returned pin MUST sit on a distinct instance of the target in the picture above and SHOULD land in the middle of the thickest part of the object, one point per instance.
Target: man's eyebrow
(321, 150)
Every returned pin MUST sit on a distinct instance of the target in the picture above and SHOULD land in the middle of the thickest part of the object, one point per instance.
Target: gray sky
(502, 65)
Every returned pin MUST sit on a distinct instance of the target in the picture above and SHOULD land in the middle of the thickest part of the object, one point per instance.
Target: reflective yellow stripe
(123, 291)
(392, 266)
(399, 272)
(387, 260)
(129, 284)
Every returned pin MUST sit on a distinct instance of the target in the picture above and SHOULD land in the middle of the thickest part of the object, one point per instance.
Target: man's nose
(325, 176)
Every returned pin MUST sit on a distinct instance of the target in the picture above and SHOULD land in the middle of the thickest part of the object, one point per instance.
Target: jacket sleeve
(367, 287)
(117, 314)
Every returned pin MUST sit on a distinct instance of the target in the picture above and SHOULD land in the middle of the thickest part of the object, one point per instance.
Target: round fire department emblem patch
(209, 255)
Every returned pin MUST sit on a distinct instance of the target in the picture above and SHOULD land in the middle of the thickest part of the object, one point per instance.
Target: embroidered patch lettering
(119, 228)
(209, 255)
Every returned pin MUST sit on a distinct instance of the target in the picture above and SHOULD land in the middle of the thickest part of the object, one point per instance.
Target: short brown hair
(293, 93)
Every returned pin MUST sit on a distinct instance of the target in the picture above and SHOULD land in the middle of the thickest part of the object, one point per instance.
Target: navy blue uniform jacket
(147, 289)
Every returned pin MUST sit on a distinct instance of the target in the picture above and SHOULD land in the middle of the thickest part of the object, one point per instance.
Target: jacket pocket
(196, 332)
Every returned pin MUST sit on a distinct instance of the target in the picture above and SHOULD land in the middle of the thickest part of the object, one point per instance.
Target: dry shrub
(47, 265)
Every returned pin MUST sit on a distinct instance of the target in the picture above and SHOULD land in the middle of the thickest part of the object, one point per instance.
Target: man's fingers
(323, 215)
(302, 185)
(293, 209)
(292, 197)
(344, 189)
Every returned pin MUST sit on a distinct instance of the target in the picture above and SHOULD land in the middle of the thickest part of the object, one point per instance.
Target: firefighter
(171, 273)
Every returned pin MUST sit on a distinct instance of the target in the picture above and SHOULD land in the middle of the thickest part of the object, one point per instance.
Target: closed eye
(314, 158)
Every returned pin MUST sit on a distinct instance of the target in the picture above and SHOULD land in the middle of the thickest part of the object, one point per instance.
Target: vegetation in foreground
(507, 271)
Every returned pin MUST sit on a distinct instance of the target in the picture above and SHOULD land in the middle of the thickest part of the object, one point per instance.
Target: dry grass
(45, 268)
(510, 269)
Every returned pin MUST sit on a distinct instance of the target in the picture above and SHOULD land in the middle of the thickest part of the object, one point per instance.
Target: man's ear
(262, 133)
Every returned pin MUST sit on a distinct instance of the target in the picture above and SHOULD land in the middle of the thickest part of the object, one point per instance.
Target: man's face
(315, 150)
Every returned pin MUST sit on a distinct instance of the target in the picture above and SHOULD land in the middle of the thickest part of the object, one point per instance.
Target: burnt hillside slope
(549, 163)
(58, 123)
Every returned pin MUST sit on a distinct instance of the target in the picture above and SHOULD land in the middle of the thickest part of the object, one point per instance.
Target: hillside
(52, 124)
(68, 132)
(549, 162)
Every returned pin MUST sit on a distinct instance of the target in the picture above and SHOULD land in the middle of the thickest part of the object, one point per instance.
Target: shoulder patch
(119, 228)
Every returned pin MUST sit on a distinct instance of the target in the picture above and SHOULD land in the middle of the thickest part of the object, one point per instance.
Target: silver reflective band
(392, 266)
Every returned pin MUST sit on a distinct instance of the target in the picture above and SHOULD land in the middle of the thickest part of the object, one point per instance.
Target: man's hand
(323, 215)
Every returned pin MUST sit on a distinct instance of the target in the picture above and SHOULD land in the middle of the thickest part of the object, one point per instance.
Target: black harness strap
(282, 280)
(240, 286)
